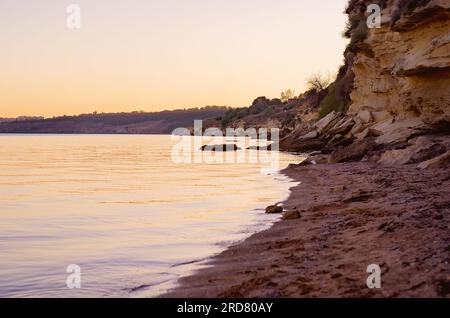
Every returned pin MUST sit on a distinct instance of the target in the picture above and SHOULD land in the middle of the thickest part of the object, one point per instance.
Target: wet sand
(353, 215)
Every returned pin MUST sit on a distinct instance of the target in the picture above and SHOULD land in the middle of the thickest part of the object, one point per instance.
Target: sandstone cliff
(400, 87)
(404, 70)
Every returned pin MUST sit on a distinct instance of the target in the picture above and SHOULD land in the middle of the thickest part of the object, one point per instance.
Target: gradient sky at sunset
(161, 54)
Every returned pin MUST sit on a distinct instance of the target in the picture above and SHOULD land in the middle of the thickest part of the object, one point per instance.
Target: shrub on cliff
(233, 114)
(344, 84)
(358, 35)
(350, 25)
(330, 102)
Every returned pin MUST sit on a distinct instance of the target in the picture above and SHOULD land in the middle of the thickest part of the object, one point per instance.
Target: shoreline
(353, 215)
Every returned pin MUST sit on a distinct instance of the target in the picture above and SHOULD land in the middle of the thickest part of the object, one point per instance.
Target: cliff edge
(399, 96)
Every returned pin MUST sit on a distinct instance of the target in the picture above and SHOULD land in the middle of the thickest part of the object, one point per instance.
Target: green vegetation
(260, 106)
(331, 102)
(357, 35)
(360, 33)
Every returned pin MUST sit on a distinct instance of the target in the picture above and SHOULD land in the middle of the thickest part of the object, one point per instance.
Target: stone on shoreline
(292, 215)
(353, 152)
(274, 209)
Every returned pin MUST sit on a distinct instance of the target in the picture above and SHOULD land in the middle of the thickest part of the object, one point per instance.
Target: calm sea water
(122, 210)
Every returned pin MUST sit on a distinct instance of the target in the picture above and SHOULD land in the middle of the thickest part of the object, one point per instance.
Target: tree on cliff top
(287, 95)
(318, 82)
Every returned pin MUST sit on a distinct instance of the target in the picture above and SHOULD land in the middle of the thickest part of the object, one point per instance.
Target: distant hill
(115, 123)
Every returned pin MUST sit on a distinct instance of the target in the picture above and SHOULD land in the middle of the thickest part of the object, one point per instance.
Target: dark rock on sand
(274, 209)
(353, 152)
(291, 215)
(443, 287)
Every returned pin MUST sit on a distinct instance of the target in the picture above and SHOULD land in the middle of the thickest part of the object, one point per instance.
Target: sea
(124, 215)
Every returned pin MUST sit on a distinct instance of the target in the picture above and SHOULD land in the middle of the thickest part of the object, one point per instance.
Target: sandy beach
(352, 215)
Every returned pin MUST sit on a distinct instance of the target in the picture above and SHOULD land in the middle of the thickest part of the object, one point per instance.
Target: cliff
(400, 76)
(404, 69)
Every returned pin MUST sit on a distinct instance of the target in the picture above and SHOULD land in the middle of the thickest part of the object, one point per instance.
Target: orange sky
(161, 54)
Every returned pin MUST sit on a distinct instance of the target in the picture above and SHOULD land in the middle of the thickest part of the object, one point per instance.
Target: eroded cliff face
(402, 70)
(399, 109)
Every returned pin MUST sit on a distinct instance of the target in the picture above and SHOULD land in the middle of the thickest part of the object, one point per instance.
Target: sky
(161, 54)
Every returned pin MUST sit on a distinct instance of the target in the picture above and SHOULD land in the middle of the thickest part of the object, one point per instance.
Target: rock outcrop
(404, 72)
(442, 161)
(401, 89)
(421, 149)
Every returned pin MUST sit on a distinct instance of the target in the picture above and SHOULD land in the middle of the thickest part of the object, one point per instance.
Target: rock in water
(264, 148)
(229, 147)
(274, 209)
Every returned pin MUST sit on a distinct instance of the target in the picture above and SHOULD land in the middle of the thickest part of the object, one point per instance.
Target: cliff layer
(403, 68)
(399, 92)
